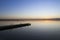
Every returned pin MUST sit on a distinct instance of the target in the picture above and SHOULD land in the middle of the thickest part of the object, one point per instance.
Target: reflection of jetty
(13, 26)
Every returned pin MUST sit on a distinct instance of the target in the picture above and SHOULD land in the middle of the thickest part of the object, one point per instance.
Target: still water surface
(38, 30)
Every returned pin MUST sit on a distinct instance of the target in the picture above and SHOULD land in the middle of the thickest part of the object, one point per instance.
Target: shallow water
(38, 30)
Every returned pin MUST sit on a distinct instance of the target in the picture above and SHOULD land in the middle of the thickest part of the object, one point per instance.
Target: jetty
(13, 26)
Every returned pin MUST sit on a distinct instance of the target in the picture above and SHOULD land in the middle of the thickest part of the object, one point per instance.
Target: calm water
(37, 30)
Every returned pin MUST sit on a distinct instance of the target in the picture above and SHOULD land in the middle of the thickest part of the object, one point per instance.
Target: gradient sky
(30, 9)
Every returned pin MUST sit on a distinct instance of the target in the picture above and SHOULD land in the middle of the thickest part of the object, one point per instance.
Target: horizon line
(29, 19)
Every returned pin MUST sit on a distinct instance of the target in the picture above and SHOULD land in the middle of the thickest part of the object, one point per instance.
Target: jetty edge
(14, 26)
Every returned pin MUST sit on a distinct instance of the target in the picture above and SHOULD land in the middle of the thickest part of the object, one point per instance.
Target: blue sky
(30, 9)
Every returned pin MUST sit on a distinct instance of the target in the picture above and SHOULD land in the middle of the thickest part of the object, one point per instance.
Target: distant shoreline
(57, 19)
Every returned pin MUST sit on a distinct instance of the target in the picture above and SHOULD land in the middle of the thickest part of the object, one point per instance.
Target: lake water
(38, 30)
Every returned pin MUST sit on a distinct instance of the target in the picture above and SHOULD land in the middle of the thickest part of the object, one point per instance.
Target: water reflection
(37, 30)
(36, 25)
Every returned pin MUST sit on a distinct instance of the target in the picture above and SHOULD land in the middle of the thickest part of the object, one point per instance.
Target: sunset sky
(29, 9)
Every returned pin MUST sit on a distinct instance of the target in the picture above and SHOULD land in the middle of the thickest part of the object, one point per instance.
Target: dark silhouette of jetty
(13, 26)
